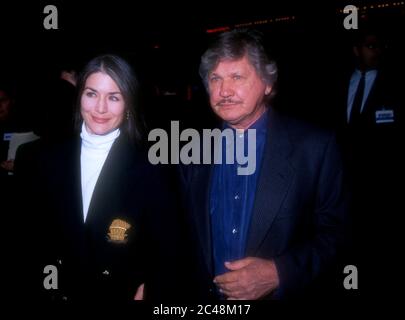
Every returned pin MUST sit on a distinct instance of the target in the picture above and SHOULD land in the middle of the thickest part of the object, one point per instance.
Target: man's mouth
(227, 103)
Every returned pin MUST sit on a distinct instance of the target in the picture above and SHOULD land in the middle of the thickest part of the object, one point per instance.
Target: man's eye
(237, 77)
(214, 79)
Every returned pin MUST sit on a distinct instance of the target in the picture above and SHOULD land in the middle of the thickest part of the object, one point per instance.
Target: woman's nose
(101, 106)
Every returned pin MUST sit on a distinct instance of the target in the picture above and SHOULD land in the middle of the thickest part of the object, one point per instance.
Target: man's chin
(228, 116)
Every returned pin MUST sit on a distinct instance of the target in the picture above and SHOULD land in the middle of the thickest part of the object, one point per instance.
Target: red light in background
(220, 29)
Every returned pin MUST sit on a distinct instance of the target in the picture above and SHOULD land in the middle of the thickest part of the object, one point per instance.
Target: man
(371, 132)
(272, 233)
(371, 97)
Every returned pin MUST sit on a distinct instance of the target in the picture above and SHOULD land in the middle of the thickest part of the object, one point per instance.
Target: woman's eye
(90, 94)
(114, 98)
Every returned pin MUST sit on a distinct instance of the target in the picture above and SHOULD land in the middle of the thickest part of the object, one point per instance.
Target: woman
(110, 217)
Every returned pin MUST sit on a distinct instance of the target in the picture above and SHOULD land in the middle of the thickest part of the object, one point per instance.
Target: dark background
(164, 42)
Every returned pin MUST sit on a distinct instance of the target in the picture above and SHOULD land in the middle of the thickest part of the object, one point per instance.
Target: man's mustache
(227, 101)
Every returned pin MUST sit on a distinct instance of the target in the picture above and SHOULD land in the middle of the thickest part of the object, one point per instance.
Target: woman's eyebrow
(114, 92)
(90, 89)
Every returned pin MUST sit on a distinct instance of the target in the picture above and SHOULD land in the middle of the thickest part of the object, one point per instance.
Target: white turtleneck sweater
(94, 151)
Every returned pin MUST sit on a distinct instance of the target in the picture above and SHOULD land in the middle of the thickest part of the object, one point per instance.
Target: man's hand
(139, 292)
(249, 279)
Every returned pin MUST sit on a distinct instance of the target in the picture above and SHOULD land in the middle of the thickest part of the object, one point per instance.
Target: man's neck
(244, 126)
(366, 69)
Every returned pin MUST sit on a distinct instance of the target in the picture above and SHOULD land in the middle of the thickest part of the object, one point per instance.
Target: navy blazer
(91, 265)
(300, 209)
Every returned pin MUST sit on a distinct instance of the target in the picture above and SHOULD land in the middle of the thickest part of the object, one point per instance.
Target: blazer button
(106, 272)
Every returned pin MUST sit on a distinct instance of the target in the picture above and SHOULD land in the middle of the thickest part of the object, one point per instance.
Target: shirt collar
(367, 72)
(95, 141)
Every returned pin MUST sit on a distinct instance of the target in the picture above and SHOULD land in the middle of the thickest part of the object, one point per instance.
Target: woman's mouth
(99, 120)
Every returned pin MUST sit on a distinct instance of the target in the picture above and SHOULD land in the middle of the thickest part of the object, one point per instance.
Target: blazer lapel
(106, 187)
(275, 177)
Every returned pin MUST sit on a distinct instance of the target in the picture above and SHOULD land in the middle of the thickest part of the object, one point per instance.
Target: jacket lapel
(274, 180)
(107, 189)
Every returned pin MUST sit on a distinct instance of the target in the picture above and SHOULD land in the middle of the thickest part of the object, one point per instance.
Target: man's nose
(226, 90)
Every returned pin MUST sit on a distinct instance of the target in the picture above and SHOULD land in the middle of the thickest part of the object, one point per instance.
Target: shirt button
(237, 197)
(106, 272)
(234, 230)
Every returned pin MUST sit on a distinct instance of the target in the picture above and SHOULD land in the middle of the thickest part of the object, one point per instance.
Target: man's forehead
(232, 65)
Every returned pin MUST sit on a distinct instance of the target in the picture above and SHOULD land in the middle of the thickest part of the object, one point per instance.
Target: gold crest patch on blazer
(118, 231)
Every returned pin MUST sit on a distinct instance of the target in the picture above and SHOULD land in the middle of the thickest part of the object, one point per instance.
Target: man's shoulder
(302, 131)
(307, 143)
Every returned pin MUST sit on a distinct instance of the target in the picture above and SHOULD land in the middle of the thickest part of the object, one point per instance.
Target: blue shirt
(231, 199)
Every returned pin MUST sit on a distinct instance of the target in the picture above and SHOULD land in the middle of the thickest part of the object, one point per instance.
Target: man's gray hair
(234, 45)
